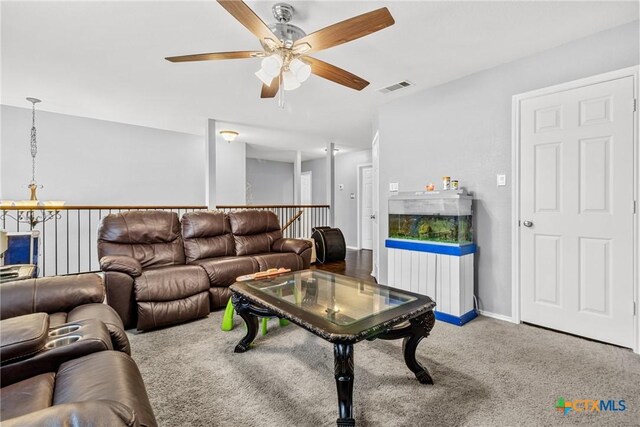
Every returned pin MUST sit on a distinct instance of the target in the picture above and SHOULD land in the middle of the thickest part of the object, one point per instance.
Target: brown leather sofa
(230, 245)
(66, 299)
(59, 363)
(159, 272)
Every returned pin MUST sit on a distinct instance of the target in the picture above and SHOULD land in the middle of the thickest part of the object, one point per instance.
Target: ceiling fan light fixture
(264, 77)
(272, 64)
(228, 135)
(300, 69)
(290, 81)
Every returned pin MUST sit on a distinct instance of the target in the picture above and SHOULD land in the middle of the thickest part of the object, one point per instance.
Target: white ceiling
(106, 60)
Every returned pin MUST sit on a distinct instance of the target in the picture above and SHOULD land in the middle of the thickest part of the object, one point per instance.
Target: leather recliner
(72, 298)
(60, 368)
(100, 389)
(146, 278)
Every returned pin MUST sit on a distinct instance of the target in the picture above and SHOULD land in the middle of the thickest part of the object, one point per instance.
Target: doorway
(305, 188)
(575, 235)
(365, 206)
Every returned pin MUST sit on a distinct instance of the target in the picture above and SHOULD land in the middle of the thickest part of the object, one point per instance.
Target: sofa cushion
(279, 260)
(26, 396)
(223, 271)
(151, 237)
(170, 283)
(49, 294)
(79, 414)
(206, 234)
(256, 243)
(106, 375)
(155, 314)
(219, 297)
(253, 222)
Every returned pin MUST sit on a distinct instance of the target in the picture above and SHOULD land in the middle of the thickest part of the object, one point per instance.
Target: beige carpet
(486, 373)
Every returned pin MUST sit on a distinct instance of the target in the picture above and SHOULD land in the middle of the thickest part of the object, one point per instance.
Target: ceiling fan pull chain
(281, 92)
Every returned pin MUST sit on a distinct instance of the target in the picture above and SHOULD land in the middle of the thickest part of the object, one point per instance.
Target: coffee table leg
(343, 369)
(250, 320)
(420, 328)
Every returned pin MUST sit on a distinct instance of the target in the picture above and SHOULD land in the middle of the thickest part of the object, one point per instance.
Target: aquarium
(443, 217)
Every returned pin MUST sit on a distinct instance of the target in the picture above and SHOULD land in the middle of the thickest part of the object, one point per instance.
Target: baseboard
(355, 248)
(496, 316)
(455, 320)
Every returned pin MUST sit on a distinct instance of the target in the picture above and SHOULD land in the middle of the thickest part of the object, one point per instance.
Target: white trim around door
(359, 168)
(515, 182)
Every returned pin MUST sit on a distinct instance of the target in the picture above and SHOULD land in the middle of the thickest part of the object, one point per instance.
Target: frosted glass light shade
(228, 135)
(301, 70)
(290, 81)
(264, 77)
(271, 65)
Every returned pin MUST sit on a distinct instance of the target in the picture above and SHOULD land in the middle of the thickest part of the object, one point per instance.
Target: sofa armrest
(22, 336)
(78, 414)
(49, 294)
(121, 263)
(296, 246)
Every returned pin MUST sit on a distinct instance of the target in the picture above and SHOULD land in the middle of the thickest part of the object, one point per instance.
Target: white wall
(318, 169)
(88, 161)
(346, 208)
(231, 175)
(269, 182)
(463, 129)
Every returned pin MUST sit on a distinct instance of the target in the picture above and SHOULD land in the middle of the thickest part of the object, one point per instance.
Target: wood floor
(357, 264)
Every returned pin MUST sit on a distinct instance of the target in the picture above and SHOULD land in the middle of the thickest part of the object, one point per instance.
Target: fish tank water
(442, 217)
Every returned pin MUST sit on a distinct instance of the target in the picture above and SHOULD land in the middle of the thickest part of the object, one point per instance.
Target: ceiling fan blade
(346, 31)
(335, 74)
(248, 18)
(215, 56)
(270, 91)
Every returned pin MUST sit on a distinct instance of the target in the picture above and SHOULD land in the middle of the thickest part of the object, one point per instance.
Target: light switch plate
(393, 186)
(502, 180)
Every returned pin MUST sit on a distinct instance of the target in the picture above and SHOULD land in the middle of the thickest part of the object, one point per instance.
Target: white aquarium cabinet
(431, 250)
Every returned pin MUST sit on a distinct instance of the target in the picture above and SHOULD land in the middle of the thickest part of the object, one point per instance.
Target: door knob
(527, 224)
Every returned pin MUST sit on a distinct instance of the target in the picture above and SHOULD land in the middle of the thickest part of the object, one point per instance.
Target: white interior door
(577, 211)
(305, 188)
(366, 207)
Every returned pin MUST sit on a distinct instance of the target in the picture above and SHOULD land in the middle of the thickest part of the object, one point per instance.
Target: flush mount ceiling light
(229, 135)
(285, 56)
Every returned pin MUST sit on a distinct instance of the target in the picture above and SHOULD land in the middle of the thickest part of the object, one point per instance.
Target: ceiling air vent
(396, 86)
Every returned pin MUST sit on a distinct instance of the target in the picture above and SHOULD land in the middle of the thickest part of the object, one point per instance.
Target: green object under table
(227, 320)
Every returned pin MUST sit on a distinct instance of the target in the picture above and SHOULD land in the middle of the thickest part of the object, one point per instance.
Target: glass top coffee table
(343, 311)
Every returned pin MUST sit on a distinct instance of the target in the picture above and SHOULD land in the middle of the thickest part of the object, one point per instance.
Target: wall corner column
(331, 183)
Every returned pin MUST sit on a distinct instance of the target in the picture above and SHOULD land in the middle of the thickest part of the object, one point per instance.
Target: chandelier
(27, 215)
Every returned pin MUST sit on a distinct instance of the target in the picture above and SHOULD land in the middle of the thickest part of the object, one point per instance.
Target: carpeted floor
(486, 373)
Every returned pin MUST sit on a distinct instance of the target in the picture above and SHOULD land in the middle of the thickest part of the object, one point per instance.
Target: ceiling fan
(286, 62)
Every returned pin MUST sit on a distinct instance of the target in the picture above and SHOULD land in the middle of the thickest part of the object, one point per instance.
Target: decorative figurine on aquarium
(446, 182)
